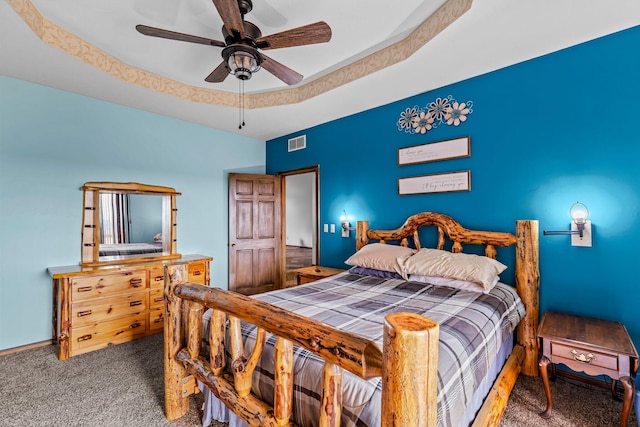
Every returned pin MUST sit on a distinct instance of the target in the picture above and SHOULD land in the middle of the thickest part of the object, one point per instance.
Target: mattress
(473, 329)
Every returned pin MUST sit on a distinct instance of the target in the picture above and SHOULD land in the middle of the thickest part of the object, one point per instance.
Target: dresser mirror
(127, 222)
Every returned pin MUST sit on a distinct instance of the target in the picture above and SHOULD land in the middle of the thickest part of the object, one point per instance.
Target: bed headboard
(447, 228)
(527, 262)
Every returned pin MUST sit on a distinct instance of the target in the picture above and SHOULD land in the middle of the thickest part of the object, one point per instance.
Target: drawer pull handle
(84, 338)
(135, 325)
(84, 313)
(158, 299)
(197, 273)
(582, 358)
(134, 303)
(135, 282)
(159, 278)
(158, 320)
(85, 288)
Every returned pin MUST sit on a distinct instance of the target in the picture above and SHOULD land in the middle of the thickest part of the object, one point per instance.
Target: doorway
(300, 219)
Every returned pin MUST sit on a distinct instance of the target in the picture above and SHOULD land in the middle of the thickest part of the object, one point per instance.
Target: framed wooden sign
(434, 151)
(436, 183)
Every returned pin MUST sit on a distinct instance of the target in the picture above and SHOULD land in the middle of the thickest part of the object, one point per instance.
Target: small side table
(592, 346)
(313, 273)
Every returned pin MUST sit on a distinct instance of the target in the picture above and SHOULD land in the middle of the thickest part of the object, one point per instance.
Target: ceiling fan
(243, 42)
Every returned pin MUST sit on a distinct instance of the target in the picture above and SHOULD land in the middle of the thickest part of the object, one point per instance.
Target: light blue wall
(51, 142)
(544, 133)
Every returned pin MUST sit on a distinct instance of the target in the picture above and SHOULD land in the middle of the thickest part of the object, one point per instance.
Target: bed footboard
(409, 390)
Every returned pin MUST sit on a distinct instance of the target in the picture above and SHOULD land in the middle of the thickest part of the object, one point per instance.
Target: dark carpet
(123, 386)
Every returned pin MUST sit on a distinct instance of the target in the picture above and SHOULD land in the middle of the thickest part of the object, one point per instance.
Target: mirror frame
(90, 244)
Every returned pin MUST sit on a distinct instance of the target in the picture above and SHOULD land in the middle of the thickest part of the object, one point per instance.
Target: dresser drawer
(100, 285)
(100, 334)
(197, 272)
(578, 354)
(105, 309)
(156, 318)
(156, 277)
(156, 298)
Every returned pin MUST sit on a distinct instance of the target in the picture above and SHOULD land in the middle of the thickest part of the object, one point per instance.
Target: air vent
(298, 143)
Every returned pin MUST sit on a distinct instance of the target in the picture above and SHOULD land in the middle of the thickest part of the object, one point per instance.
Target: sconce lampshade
(579, 213)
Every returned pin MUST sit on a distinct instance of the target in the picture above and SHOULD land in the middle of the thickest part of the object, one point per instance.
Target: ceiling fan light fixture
(242, 61)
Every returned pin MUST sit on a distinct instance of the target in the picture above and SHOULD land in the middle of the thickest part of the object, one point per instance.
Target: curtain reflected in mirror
(115, 225)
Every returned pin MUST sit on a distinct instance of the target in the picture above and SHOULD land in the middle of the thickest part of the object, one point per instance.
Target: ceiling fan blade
(282, 72)
(172, 35)
(231, 17)
(218, 75)
(318, 32)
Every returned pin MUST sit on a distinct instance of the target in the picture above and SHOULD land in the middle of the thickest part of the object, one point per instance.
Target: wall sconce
(345, 224)
(580, 226)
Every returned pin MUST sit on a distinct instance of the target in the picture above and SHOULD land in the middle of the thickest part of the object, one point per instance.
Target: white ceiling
(491, 35)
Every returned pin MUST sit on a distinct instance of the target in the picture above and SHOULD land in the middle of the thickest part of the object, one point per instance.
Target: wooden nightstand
(313, 273)
(592, 346)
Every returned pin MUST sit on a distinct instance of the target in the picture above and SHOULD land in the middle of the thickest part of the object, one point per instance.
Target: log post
(361, 234)
(283, 381)
(176, 405)
(195, 328)
(528, 284)
(331, 406)
(490, 252)
(217, 330)
(410, 371)
(241, 366)
(64, 333)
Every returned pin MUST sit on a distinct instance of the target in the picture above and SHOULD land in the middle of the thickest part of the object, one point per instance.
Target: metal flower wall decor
(443, 110)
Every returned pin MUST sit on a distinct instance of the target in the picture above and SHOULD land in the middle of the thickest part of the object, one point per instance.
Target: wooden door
(255, 233)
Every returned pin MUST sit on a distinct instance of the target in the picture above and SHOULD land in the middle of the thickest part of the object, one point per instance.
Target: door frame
(315, 169)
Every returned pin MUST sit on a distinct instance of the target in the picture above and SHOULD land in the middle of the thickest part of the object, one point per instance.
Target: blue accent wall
(51, 142)
(544, 133)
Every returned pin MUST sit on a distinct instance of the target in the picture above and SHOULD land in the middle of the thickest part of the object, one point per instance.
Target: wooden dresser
(94, 307)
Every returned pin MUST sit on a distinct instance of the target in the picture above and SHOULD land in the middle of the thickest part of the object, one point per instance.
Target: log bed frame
(409, 341)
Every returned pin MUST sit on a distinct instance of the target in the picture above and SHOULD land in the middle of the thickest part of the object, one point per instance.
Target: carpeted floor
(123, 386)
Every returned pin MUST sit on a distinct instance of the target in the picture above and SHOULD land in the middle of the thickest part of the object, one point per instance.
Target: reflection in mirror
(130, 224)
(127, 222)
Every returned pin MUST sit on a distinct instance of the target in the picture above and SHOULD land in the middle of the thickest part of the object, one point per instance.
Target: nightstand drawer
(583, 356)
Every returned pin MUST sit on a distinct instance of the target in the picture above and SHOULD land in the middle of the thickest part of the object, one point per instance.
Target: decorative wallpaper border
(73, 45)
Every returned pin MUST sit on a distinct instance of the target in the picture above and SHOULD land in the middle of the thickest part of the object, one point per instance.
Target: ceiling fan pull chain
(240, 103)
(242, 83)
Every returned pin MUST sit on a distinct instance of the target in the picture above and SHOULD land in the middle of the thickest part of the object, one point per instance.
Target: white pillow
(453, 283)
(471, 268)
(381, 256)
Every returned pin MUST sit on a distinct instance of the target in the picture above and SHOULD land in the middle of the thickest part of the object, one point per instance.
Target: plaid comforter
(130, 248)
(472, 328)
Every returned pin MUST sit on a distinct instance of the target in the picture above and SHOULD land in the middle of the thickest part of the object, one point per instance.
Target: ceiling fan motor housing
(241, 57)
